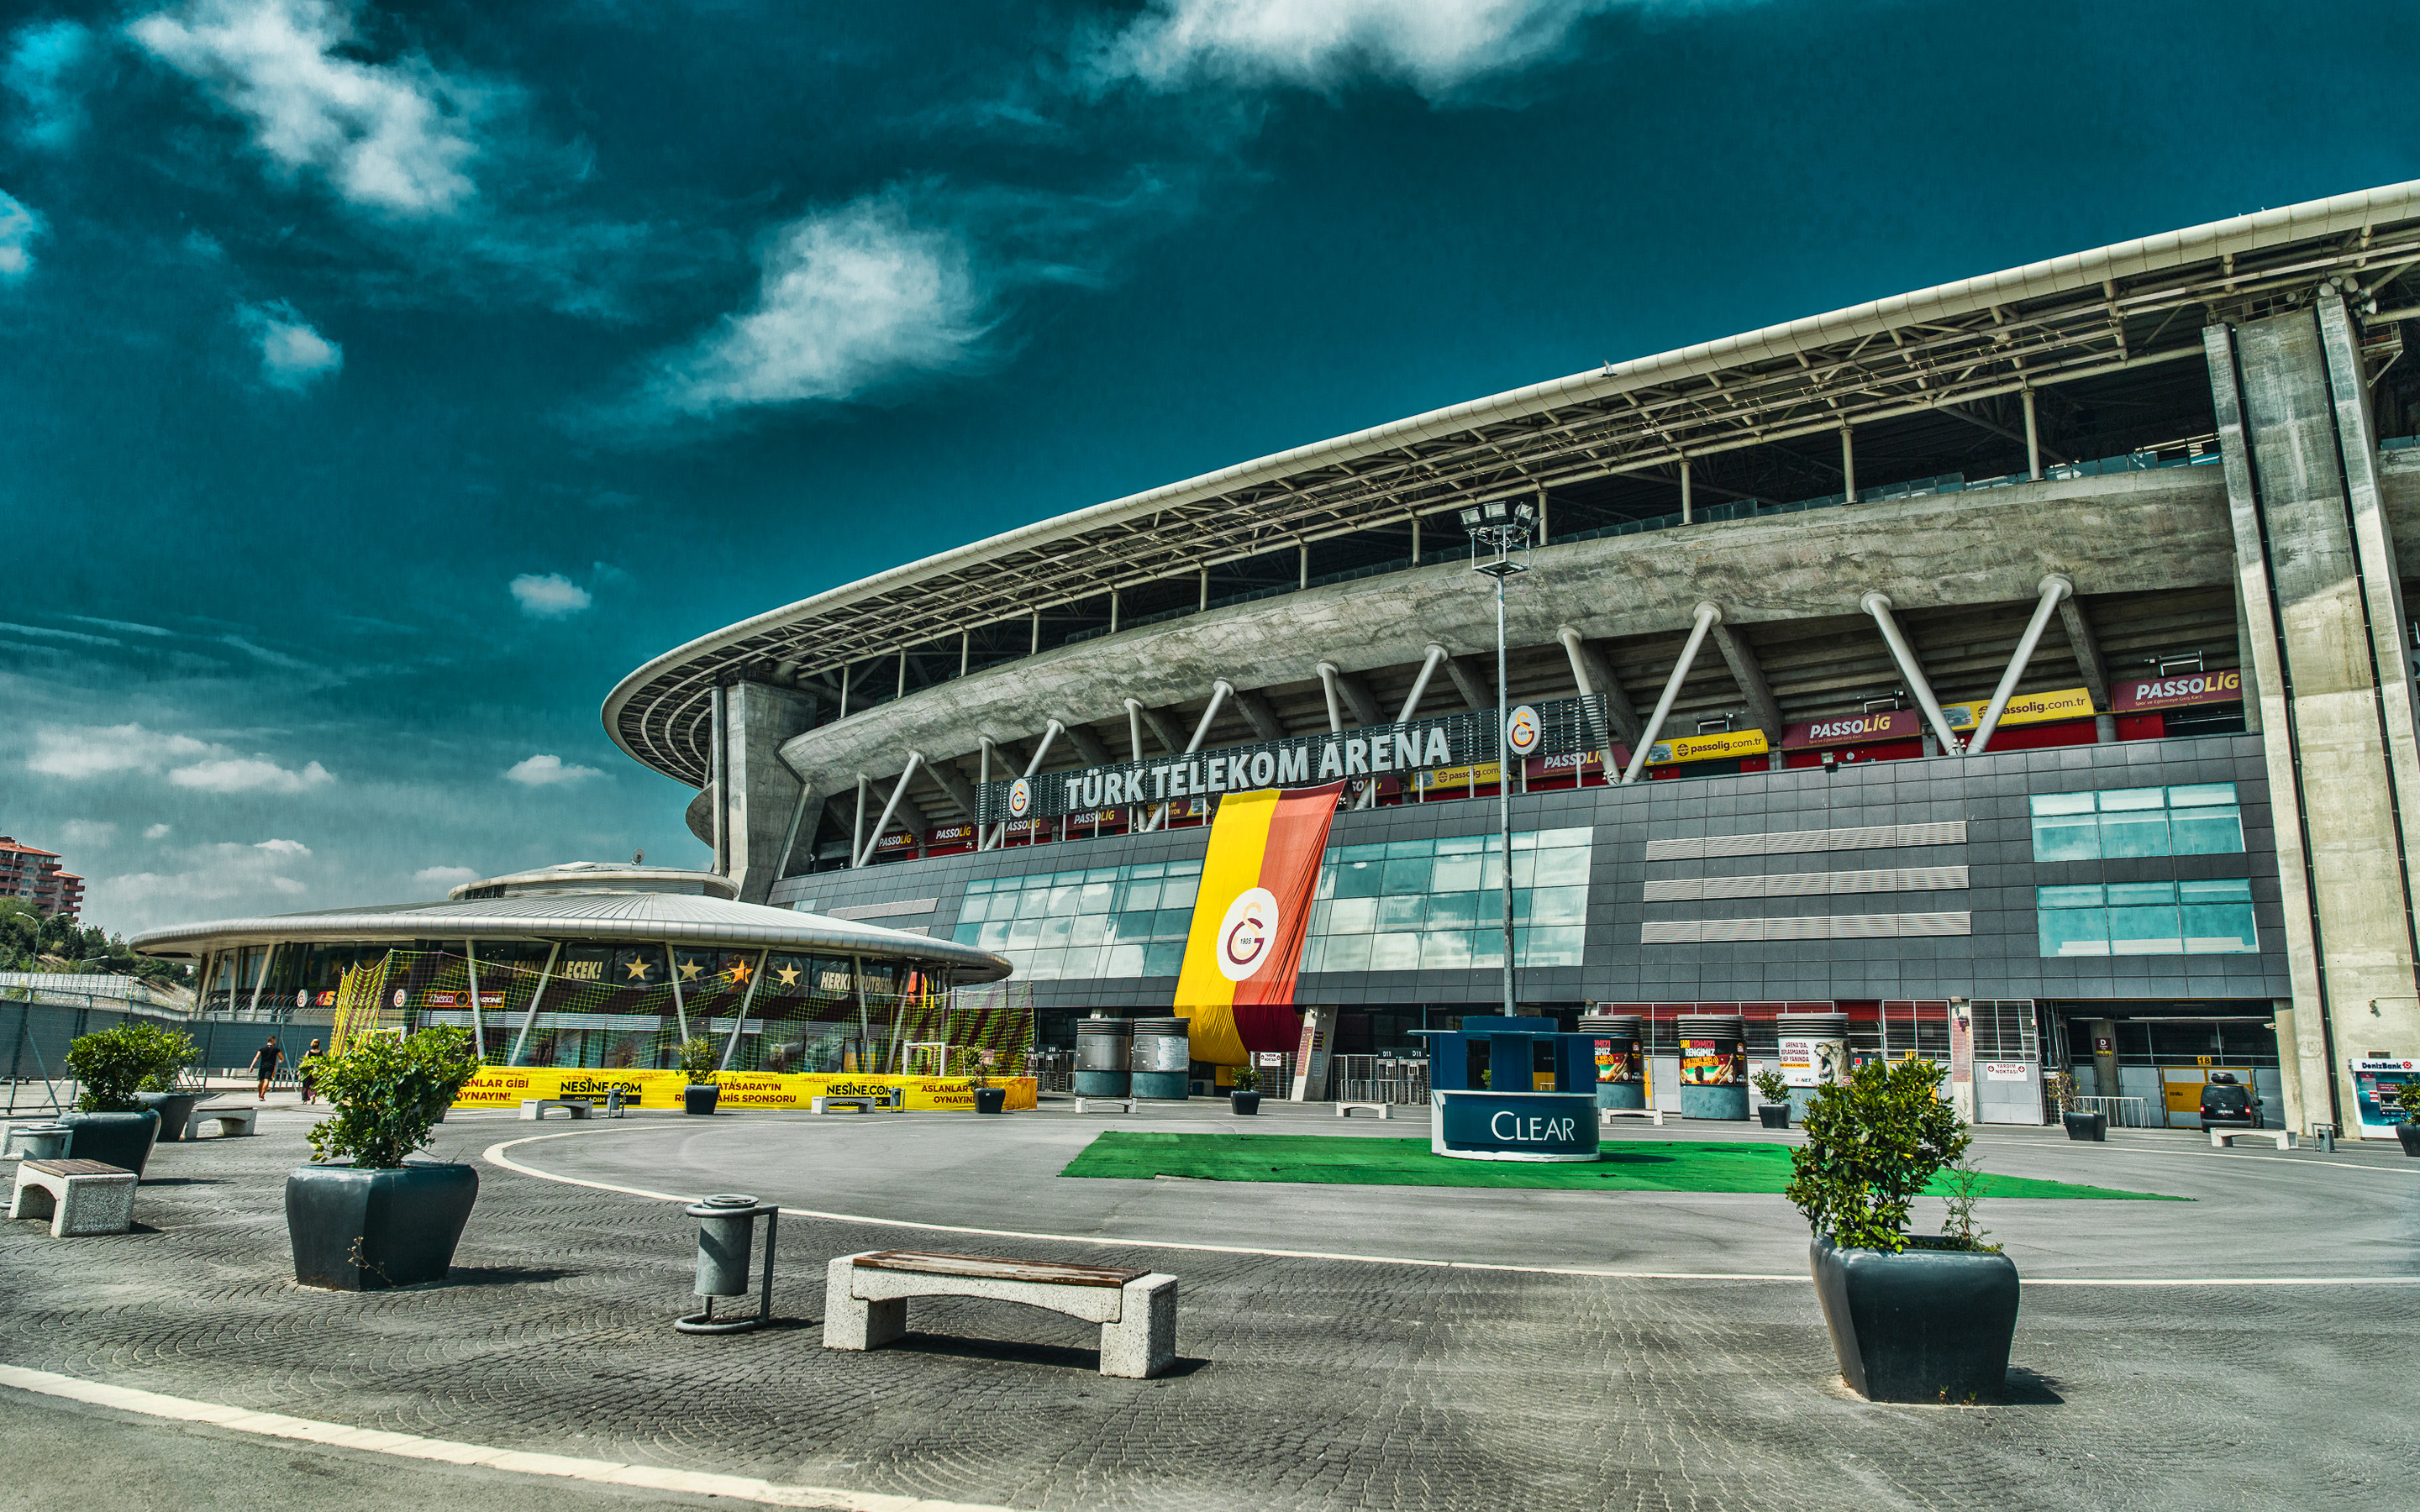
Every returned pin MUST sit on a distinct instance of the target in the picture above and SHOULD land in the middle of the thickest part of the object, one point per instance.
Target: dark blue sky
(380, 383)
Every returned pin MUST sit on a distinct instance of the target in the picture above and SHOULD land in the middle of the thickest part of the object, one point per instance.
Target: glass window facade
(1411, 905)
(1435, 905)
(1102, 921)
(2198, 819)
(2209, 918)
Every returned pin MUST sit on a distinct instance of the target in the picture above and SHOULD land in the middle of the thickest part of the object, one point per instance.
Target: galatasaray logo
(1523, 730)
(1248, 936)
(1020, 798)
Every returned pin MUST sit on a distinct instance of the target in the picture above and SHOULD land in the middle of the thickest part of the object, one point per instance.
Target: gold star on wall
(741, 971)
(689, 970)
(638, 970)
(788, 976)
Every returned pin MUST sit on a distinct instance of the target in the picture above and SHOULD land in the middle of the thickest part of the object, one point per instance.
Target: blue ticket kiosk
(1511, 1088)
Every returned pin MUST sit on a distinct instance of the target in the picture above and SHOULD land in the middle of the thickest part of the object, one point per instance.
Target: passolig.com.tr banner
(1251, 914)
(505, 1087)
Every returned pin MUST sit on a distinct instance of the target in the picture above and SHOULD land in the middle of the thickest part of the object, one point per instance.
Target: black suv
(2228, 1103)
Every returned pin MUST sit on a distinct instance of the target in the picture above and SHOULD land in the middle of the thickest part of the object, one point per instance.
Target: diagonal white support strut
(2054, 588)
(1879, 606)
(1707, 615)
(890, 806)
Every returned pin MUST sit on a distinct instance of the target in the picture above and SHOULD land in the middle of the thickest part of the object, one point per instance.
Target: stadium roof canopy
(638, 917)
(2090, 314)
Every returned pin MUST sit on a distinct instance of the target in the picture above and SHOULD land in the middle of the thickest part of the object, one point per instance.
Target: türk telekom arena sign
(1562, 726)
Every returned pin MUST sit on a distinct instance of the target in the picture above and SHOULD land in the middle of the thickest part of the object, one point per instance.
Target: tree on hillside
(26, 938)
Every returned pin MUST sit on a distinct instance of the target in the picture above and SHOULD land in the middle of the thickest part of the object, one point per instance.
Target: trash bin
(1162, 1059)
(1101, 1054)
(1714, 1072)
(726, 1233)
(1621, 1070)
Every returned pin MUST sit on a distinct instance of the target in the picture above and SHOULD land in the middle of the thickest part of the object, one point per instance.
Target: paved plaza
(1339, 1347)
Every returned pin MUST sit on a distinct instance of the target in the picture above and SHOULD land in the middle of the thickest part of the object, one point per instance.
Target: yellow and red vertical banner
(1251, 914)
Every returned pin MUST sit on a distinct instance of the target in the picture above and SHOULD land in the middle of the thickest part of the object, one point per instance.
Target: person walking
(264, 1065)
(308, 1071)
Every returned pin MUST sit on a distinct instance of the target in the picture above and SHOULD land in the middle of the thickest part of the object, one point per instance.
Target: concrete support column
(1594, 676)
(2289, 1071)
(2033, 440)
(1849, 464)
(1750, 674)
(759, 797)
(2091, 667)
(2104, 1062)
(2056, 589)
(2294, 438)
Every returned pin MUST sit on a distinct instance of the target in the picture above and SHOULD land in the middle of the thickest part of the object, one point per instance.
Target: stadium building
(2035, 642)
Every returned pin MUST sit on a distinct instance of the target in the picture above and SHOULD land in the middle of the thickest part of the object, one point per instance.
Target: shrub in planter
(2407, 1102)
(2078, 1123)
(1243, 1095)
(157, 1091)
(111, 1121)
(698, 1062)
(1773, 1112)
(1912, 1318)
(380, 1223)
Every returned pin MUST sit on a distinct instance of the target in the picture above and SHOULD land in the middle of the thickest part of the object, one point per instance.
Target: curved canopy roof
(2079, 316)
(650, 917)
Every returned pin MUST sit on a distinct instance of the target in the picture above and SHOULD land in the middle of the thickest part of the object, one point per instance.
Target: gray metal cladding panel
(1810, 927)
(1809, 884)
(1802, 841)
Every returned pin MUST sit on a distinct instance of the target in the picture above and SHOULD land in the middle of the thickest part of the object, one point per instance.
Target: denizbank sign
(1559, 727)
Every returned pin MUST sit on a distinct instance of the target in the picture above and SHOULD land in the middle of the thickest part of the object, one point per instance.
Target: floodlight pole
(1506, 530)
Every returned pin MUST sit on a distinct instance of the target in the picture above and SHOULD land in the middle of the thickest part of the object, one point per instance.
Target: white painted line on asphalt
(446, 1451)
(494, 1156)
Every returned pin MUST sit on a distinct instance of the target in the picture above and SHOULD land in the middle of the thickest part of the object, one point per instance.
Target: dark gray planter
(1925, 1325)
(1774, 1115)
(174, 1109)
(2091, 1126)
(1244, 1104)
(122, 1139)
(700, 1097)
(2407, 1134)
(357, 1230)
(991, 1100)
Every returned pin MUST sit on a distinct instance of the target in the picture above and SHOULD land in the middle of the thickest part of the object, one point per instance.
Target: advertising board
(505, 1087)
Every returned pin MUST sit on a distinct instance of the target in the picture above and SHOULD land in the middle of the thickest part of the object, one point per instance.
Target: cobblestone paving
(1302, 1384)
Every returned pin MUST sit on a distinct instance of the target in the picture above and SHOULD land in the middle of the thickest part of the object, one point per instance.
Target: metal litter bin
(1162, 1059)
(1101, 1048)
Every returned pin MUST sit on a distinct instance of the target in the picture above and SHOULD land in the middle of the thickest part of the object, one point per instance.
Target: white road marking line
(494, 1156)
(446, 1451)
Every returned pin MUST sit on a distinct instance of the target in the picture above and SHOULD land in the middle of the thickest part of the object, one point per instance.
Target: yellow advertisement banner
(2025, 708)
(1440, 778)
(508, 1087)
(1707, 747)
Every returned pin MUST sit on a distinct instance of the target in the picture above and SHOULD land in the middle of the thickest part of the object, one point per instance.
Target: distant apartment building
(37, 875)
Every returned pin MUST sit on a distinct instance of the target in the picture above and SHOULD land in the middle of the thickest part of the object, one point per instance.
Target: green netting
(1675, 1165)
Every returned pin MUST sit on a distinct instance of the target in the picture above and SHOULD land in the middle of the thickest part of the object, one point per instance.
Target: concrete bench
(1654, 1115)
(863, 1104)
(233, 1119)
(534, 1109)
(1124, 1104)
(865, 1300)
(1345, 1110)
(2226, 1138)
(78, 1196)
(37, 1139)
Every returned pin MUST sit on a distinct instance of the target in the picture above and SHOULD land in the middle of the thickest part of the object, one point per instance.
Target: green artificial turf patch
(1631, 1166)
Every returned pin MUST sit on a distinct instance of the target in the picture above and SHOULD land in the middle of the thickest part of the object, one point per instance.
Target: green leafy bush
(2061, 1086)
(1771, 1087)
(115, 1064)
(1872, 1143)
(698, 1059)
(1244, 1079)
(2407, 1100)
(388, 1092)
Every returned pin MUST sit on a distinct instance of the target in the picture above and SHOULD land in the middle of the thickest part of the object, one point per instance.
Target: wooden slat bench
(534, 1109)
(233, 1119)
(865, 1300)
(78, 1196)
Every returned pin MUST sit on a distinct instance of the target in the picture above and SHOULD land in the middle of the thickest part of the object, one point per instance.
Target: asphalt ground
(1339, 1346)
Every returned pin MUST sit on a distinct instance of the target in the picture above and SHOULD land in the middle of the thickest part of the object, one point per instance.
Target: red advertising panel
(2182, 691)
(1855, 729)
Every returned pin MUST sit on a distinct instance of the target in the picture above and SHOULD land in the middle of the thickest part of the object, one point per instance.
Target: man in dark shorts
(306, 1070)
(264, 1065)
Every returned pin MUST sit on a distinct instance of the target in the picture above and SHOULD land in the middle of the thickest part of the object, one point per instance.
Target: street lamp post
(1502, 528)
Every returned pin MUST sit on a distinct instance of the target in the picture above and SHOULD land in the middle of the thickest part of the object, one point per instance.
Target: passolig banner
(1248, 918)
(508, 1087)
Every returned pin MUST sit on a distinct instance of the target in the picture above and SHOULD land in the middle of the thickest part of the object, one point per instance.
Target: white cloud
(40, 71)
(850, 298)
(256, 773)
(18, 226)
(548, 771)
(1432, 45)
(77, 752)
(156, 832)
(282, 847)
(212, 875)
(391, 137)
(292, 357)
(552, 596)
(86, 832)
(444, 876)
